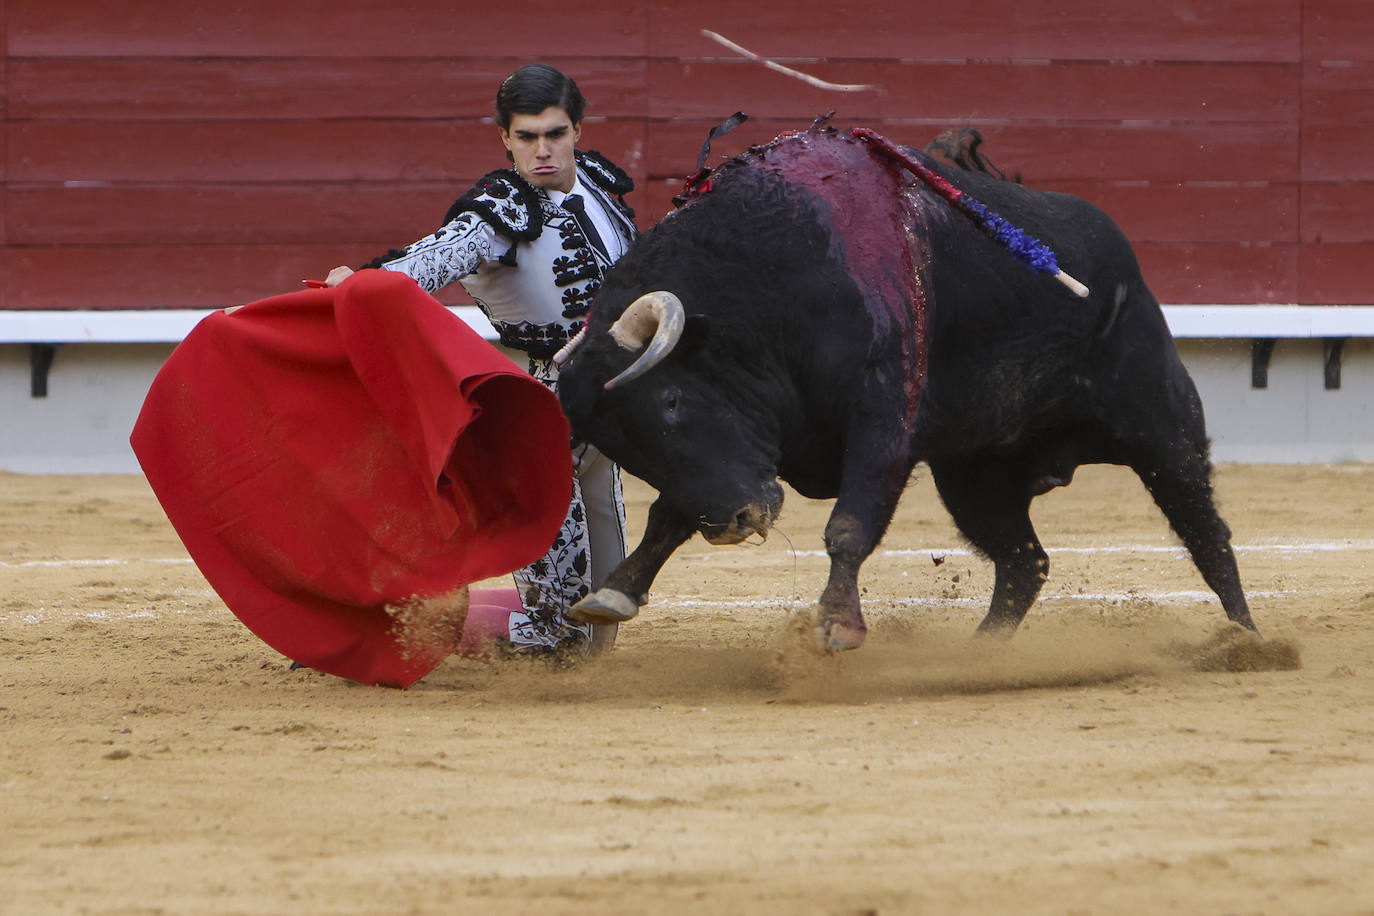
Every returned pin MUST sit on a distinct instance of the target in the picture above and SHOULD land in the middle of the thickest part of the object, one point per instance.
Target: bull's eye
(670, 411)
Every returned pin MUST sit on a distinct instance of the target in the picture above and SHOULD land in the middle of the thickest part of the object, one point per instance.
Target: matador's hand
(338, 275)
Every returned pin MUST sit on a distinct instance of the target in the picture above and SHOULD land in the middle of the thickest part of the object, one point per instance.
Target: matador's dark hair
(535, 87)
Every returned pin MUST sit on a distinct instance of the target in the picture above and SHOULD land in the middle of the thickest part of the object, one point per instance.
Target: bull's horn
(659, 314)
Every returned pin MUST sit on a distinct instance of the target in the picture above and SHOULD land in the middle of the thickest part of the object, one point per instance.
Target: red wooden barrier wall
(154, 157)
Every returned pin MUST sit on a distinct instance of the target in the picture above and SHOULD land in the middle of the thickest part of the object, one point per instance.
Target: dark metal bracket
(40, 362)
(1332, 347)
(1261, 349)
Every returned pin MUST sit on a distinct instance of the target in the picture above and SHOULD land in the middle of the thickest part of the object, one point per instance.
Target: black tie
(575, 205)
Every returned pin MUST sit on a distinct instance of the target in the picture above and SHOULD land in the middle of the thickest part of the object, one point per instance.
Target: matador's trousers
(589, 545)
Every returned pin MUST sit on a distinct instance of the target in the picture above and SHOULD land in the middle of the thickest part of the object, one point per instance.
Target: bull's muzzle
(755, 518)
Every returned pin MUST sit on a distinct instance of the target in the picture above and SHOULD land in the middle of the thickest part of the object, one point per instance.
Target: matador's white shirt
(522, 257)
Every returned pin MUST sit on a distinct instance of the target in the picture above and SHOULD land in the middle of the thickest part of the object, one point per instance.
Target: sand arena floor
(158, 758)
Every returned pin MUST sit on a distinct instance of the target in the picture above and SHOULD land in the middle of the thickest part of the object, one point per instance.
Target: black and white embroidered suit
(528, 265)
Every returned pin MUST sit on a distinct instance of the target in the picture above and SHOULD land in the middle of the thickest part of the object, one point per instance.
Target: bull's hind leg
(1181, 484)
(990, 501)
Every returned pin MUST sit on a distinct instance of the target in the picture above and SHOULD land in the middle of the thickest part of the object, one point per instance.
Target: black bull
(827, 320)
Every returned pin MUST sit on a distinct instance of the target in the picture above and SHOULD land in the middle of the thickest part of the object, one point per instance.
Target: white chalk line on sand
(39, 564)
(1182, 596)
(1173, 549)
(46, 613)
(669, 603)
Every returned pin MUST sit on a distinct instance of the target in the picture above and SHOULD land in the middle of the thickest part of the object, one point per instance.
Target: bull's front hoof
(839, 638)
(604, 606)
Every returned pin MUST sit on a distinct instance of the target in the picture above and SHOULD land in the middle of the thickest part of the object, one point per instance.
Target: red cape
(328, 454)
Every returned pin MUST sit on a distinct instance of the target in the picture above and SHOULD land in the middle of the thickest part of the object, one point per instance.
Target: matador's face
(541, 145)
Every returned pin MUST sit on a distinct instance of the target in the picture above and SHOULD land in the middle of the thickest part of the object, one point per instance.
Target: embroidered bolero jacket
(523, 260)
